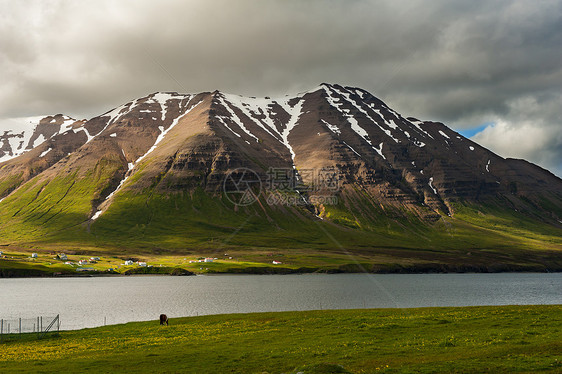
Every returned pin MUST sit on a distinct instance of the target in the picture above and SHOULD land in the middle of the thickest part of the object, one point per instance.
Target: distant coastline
(271, 270)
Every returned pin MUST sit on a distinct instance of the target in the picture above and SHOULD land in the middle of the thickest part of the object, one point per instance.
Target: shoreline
(269, 270)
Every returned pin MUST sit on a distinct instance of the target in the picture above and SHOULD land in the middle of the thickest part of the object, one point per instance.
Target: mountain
(332, 169)
(27, 153)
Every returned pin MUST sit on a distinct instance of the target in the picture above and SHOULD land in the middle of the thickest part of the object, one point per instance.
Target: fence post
(58, 322)
(1, 329)
(20, 326)
(41, 323)
(38, 329)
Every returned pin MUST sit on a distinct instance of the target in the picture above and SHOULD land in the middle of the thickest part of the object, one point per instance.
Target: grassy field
(19, 263)
(426, 340)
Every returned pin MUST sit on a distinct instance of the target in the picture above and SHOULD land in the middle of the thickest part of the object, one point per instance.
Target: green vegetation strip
(468, 339)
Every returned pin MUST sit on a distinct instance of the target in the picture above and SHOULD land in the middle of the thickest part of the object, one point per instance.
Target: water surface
(88, 302)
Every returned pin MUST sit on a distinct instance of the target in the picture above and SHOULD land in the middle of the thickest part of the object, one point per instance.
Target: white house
(128, 262)
(62, 257)
(209, 259)
(83, 262)
(34, 255)
(141, 263)
(276, 262)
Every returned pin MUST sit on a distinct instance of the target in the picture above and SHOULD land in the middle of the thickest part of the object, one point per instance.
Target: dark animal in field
(163, 319)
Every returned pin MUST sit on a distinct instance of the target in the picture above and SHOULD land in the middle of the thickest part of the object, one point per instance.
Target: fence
(28, 327)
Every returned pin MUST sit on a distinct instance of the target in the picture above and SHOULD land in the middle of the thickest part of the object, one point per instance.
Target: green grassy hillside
(357, 234)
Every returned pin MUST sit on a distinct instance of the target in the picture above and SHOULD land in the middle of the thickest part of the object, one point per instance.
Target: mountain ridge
(400, 181)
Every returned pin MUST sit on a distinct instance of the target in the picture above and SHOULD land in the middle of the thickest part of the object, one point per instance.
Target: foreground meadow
(427, 340)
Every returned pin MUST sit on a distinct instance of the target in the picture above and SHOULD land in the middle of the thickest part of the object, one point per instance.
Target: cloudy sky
(491, 70)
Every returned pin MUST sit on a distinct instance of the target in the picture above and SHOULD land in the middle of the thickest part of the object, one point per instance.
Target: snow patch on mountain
(294, 114)
(348, 98)
(162, 98)
(116, 114)
(418, 124)
(379, 150)
(16, 135)
(44, 153)
(113, 116)
(354, 151)
(333, 128)
(431, 185)
(350, 119)
(258, 110)
(444, 135)
(39, 140)
(222, 120)
(96, 215)
(236, 119)
(131, 165)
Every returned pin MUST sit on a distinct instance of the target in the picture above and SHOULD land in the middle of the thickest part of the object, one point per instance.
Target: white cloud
(531, 130)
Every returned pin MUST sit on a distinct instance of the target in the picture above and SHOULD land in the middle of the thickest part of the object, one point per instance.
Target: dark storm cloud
(463, 63)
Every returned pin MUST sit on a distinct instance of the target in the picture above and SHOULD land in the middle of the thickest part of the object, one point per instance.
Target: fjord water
(89, 301)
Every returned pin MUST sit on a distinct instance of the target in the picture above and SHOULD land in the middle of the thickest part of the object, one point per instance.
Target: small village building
(34, 255)
(209, 259)
(141, 263)
(128, 262)
(63, 257)
(277, 262)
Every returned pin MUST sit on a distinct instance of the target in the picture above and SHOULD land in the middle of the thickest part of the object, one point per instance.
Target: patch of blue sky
(475, 130)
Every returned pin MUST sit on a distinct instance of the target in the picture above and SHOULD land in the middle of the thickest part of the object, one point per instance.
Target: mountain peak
(422, 166)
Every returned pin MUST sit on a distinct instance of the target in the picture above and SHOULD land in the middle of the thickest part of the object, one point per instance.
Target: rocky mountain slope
(337, 159)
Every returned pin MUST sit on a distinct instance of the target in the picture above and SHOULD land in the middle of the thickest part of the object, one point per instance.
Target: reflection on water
(86, 302)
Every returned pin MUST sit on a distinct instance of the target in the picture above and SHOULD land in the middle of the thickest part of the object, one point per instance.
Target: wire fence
(38, 327)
